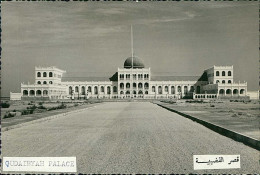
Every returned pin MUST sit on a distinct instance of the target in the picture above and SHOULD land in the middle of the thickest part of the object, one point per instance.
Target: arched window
(134, 92)
(122, 92)
(217, 73)
(70, 90)
(192, 88)
(44, 74)
(127, 92)
(146, 92)
(45, 92)
(114, 89)
(83, 90)
(146, 85)
(166, 88)
(140, 85)
(160, 90)
(153, 88)
(223, 82)
(89, 89)
(229, 81)
(50, 82)
(134, 85)
(228, 91)
(217, 81)
(38, 82)
(223, 73)
(140, 92)
(95, 90)
(179, 88)
(25, 93)
(127, 85)
(172, 90)
(32, 93)
(229, 73)
(76, 89)
(39, 74)
(108, 90)
(235, 91)
(102, 89)
(121, 85)
(45, 82)
(50, 74)
(185, 89)
(242, 91)
(38, 93)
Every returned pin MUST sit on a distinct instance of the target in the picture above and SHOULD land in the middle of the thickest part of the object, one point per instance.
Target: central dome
(137, 63)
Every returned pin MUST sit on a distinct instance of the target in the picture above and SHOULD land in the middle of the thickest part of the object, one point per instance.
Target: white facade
(133, 81)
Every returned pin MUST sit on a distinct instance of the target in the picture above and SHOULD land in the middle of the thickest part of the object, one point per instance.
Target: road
(127, 137)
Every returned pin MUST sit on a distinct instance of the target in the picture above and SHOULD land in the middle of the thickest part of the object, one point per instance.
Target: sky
(92, 39)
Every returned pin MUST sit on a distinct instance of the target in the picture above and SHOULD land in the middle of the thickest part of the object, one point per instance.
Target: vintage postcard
(130, 87)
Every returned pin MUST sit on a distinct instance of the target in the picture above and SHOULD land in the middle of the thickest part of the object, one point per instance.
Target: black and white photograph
(130, 87)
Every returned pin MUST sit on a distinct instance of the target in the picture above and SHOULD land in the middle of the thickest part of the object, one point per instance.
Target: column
(92, 90)
(105, 90)
(156, 91)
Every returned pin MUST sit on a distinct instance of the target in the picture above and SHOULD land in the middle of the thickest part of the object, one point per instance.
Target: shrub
(32, 107)
(9, 115)
(5, 105)
(41, 107)
(28, 111)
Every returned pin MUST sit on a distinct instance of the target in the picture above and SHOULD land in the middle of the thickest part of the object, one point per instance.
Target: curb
(43, 119)
(249, 141)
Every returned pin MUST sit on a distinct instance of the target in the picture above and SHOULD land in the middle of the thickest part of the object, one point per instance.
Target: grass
(31, 107)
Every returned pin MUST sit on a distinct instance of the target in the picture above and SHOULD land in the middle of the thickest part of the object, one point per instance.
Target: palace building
(133, 81)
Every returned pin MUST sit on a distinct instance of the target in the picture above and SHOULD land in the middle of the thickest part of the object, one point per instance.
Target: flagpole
(132, 46)
(132, 51)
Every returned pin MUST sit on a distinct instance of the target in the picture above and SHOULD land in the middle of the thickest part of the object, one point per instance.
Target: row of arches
(139, 85)
(134, 92)
(44, 82)
(172, 89)
(230, 92)
(223, 81)
(33, 93)
(205, 96)
(223, 73)
(44, 74)
(140, 76)
(85, 90)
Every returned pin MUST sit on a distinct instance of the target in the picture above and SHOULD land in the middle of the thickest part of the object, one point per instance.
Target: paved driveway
(127, 137)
